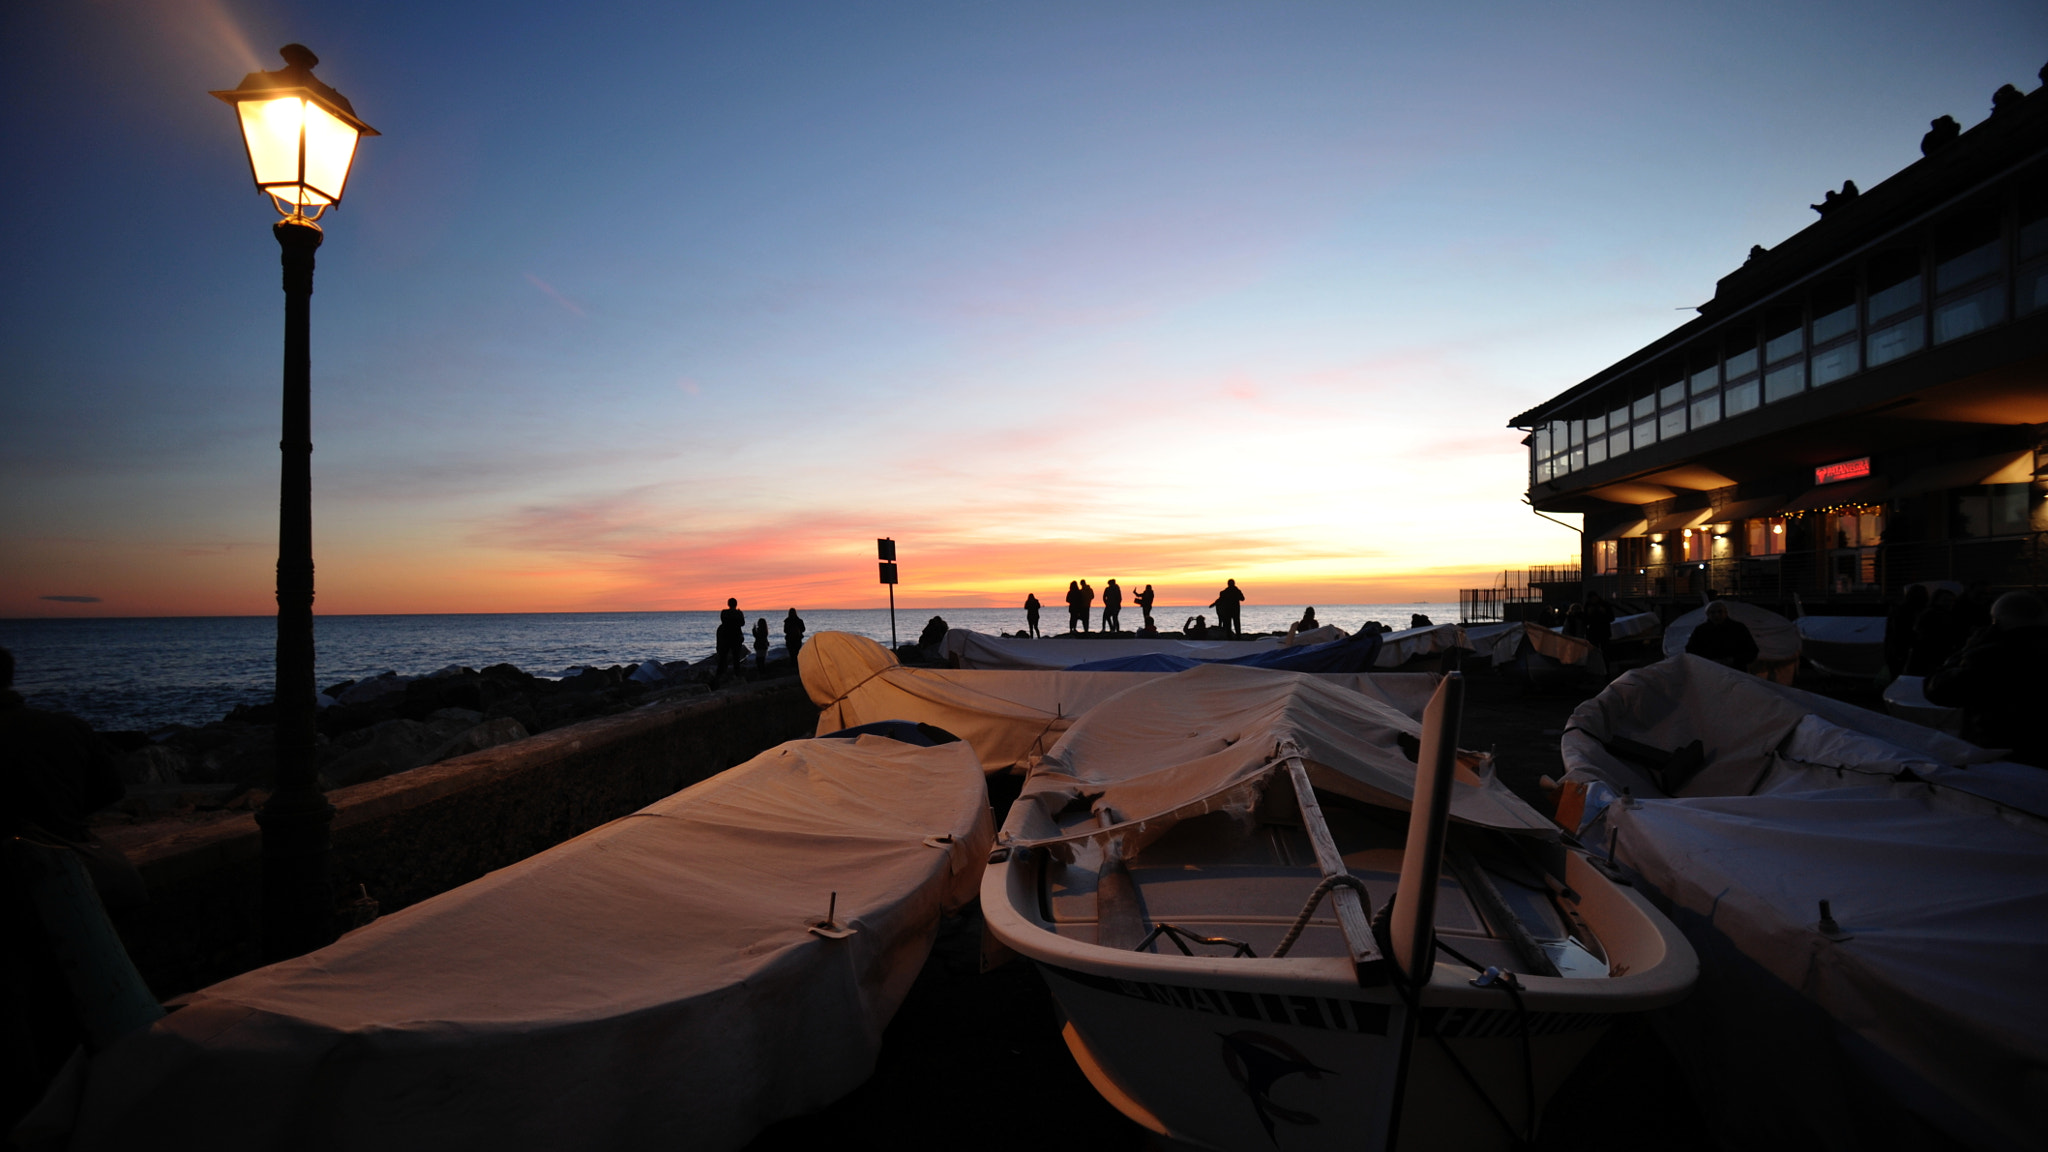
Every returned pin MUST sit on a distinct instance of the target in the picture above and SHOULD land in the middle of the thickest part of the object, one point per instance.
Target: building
(1863, 407)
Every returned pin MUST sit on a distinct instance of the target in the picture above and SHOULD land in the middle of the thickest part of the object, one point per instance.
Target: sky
(636, 307)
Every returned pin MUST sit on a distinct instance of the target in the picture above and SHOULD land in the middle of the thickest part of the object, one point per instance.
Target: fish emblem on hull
(1258, 1061)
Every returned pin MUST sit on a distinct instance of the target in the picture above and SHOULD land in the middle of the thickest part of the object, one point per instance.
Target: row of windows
(1945, 284)
(1978, 512)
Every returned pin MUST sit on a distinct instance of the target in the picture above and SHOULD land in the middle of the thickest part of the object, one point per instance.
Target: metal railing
(1879, 570)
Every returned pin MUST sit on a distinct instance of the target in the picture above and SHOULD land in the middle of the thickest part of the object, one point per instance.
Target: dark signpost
(885, 550)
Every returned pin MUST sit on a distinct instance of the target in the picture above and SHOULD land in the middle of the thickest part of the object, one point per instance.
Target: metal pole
(297, 905)
(892, 617)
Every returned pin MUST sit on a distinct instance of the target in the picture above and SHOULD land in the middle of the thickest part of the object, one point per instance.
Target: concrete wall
(415, 834)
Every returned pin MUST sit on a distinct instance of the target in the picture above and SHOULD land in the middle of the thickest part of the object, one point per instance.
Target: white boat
(1868, 896)
(678, 978)
(1193, 867)
(1844, 645)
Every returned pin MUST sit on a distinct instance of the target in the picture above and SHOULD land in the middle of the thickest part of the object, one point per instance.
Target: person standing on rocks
(1227, 605)
(1144, 602)
(1112, 605)
(793, 634)
(732, 640)
(761, 645)
(1074, 609)
(1087, 603)
(1031, 613)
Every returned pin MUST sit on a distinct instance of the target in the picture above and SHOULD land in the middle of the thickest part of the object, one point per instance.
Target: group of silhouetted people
(1081, 599)
(732, 640)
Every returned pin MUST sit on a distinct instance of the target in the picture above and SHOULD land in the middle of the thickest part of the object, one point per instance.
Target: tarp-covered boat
(1167, 866)
(1010, 717)
(1869, 899)
(1844, 645)
(1777, 639)
(666, 980)
(966, 648)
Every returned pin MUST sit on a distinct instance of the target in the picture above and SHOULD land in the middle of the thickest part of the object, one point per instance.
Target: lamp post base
(298, 895)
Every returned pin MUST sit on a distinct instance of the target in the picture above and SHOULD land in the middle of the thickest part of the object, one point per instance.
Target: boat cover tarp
(1204, 741)
(970, 649)
(1934, 859)
(1635, 626)
(1010, 717)
(1351, 654)
(1844, 645)
(1906, 698)
(1501, 643)
(649, 984)
(1777, 639)
(1397, 648)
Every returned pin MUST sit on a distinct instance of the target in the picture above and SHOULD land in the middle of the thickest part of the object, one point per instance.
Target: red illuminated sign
(1846, 470)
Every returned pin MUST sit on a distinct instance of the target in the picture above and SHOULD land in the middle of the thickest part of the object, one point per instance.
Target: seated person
(1723, 639)
(1197, 626)
(1308, 620)
(2000, 679)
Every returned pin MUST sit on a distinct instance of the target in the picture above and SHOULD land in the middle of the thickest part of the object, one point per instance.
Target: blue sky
(640, 306)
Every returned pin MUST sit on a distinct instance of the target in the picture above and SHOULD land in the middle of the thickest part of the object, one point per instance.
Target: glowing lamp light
(1778, 529)
(301, 134)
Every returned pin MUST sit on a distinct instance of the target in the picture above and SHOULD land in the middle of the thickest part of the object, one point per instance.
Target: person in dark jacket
(1112, 606)
(1144, 603)
(1228, 603)
(2000, 681)
(1087, 603)
(1031, 612)
(732, 640)
(761, 644)
(1598, 616)
(793, 634)
(1076, 611)
(1723, 639)
(1898, 629)
(1936, 635)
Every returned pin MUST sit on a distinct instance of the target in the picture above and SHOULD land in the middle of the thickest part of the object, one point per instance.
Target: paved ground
(977, 1058)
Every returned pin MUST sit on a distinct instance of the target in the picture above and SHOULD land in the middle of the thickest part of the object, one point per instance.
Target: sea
(145, 674)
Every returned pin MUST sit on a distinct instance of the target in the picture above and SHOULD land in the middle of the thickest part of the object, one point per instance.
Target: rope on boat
(1315, 898)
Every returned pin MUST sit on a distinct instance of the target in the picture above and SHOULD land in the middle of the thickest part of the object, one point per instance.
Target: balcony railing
(1880, 570)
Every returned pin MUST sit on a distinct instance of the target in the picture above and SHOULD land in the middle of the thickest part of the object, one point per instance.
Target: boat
(1868, 897)
(1205, 868)
(1844, 645)
(1778, 641)
(681, 977)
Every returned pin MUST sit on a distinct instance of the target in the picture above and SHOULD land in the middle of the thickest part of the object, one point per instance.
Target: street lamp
(301, 138)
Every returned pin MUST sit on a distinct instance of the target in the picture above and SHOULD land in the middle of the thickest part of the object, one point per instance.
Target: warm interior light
(1688, 533)
(1778, 528)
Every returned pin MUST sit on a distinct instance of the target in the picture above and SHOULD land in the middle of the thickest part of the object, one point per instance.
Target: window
(1901, 339)
(1971, 313)
(1834, 363)
(1706, 375)
(1783, 334)
(1694, 544)
(1834, 311)
(1740, 398)
(1705, 411)
(1860, 527)
(1782, 382)
(1766, 535)
(1646, 405)
(1645, 433)
(1671, 395)
(1992, 510)
(1740, 359)
(1596, 450)
(1606, 557)
(1894, 279)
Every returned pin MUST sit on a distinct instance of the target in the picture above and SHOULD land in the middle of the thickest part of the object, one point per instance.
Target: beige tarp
(969, 649)
(649, 984)
(1501, 643)
(1932, 857)
(1011, 718)
(1397, 648)
(1204, 740)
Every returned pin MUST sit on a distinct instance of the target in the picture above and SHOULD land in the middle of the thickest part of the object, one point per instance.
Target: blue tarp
(1354, 654)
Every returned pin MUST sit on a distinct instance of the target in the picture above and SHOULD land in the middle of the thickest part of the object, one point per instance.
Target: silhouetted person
(1112, 605)
(934, 635)
(1227, 604)
(761, 645)
(1031, 612)
(1087, 603)
(2000, 680)
(2007, 99)
(1756, 251)
(793, 634)
(1307, 623)
(54, 774)
(1144, 602)
(1197, 627)
(1073, 606)
(1723, 639)
(1599, 616)
(1941, 132)
(1936, 635)
(1898, 629)
(732, 640)
(1835, 200)
(1574, 621)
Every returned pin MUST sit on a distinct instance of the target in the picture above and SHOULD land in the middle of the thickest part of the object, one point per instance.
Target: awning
(1625, 529)
(1749, 509)
(2003, 468)
(1868, 490)
(1675, 521)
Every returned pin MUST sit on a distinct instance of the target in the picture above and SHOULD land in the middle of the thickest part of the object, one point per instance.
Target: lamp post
(301, 138)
